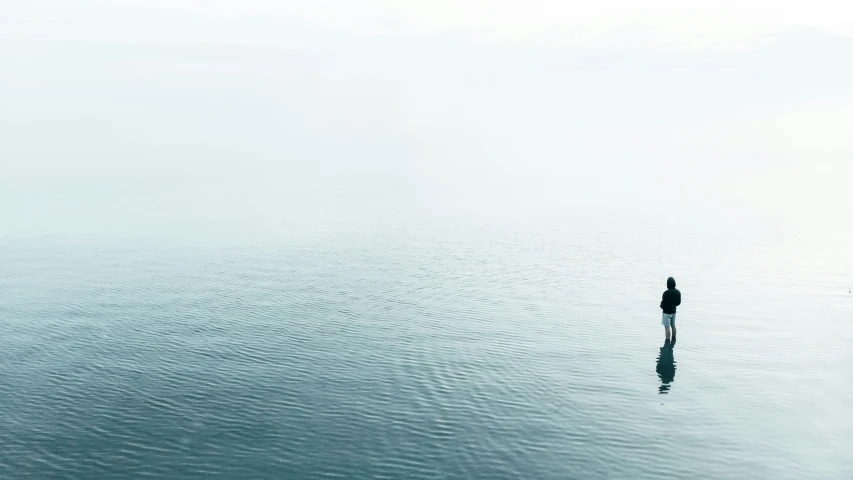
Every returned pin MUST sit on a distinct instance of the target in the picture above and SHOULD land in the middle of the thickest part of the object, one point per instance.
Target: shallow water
(428, 352)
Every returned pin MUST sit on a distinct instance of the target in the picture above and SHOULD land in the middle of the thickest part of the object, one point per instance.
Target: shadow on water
(666, 367)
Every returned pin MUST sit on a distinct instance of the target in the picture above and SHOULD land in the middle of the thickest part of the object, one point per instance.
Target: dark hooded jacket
(671, 297)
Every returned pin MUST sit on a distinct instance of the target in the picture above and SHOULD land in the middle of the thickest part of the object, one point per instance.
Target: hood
(670, 282)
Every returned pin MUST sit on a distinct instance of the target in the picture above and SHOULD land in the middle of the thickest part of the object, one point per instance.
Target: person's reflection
(666, 367)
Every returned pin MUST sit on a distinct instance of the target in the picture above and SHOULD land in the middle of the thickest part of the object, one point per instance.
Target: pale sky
(140, 115)
(666, 23)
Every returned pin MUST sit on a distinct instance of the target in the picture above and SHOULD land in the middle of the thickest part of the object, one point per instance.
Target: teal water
(426, 352)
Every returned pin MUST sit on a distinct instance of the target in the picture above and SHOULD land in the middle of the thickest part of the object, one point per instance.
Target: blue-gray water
(426, 352)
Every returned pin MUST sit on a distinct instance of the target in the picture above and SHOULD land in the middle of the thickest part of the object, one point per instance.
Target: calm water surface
(426, 352)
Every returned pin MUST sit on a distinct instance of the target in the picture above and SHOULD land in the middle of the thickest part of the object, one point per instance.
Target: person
(671, 299)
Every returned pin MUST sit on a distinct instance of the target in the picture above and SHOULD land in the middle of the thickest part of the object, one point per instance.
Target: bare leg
(673, 332)
(667, 332)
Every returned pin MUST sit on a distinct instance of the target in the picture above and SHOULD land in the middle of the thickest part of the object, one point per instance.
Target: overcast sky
(144, 114)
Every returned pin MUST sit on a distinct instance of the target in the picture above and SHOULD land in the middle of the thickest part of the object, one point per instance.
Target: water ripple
(484, 354)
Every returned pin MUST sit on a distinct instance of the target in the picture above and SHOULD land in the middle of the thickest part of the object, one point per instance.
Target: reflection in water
(666, 367)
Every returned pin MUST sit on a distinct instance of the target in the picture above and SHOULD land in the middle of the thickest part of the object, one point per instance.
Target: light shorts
(668, 320)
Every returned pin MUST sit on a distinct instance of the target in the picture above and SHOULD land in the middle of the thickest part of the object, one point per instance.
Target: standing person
(671, 299)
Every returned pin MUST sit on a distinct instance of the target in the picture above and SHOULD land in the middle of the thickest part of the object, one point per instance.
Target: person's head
(670, 282)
